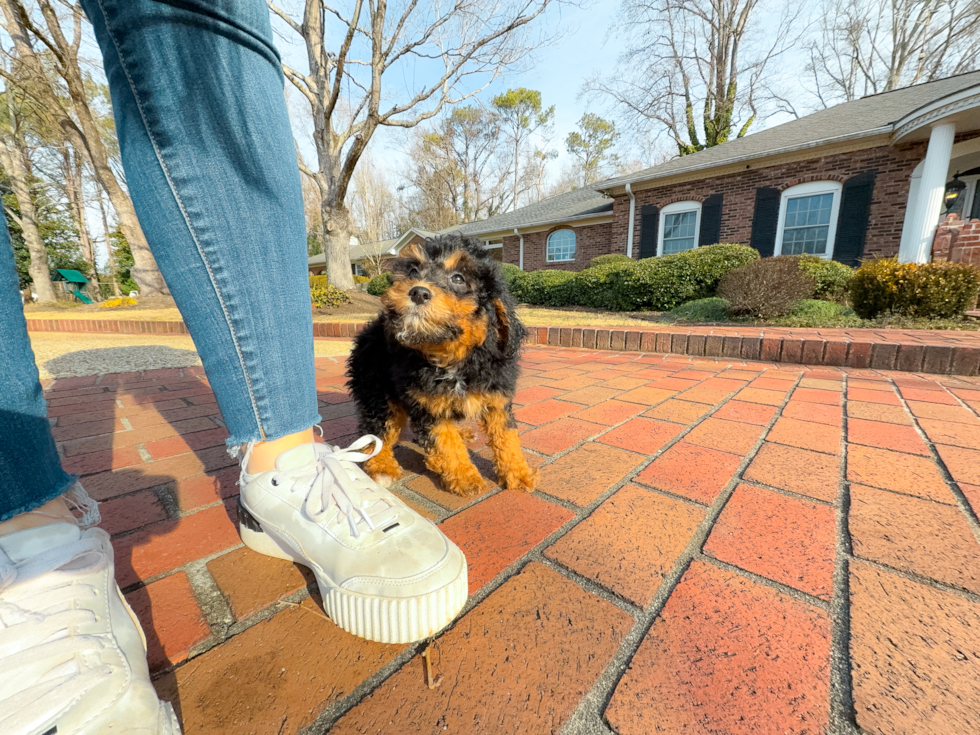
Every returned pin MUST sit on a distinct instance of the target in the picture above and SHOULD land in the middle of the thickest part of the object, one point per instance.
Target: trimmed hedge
(666, 281)
(379, 284)
(610, 258)
(618, 283)
(543, 288)
(328, 296)
(767, 288)
(511, 273)
(318, 281)
(932, 290)
(833, 278)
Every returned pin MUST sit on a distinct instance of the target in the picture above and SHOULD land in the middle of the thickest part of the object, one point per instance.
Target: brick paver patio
(717, 546)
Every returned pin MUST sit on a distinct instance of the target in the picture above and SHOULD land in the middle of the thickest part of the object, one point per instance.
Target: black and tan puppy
(444, 349)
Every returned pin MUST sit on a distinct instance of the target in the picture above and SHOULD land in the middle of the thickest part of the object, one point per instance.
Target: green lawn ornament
(74, 283)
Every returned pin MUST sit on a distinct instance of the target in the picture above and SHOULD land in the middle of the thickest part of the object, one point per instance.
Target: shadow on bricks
(149, 446)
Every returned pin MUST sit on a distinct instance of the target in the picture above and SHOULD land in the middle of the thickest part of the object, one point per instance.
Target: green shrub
(610, 258)
(819, 309)
(318, 281)
(511, 272)
(329, 296)
(667, 281)
(767, 288)
(833, 278)
(379, 284)
(543, 288)
(712, 309)
(360, 279)
(594, 286)
(932, 290)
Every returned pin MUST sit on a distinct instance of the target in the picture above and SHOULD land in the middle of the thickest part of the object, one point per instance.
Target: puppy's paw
(383, 469)
(522, 479)
(465, 486)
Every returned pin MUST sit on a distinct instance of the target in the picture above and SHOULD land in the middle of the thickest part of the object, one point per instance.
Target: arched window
(808, 219)
(680, 224)
(561, 246)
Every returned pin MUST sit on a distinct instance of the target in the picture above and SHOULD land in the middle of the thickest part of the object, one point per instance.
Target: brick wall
(590, 241)
(894, 165)
(957, 240)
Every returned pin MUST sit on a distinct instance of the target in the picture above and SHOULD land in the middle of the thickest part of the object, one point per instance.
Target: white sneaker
(385, 573)
(72, 653)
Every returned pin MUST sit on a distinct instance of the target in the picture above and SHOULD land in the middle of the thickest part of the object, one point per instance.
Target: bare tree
(699, 70)
(869, 46)
(373, 203)
(64, 96)
(460, 169)
(16, 164)
(457, 47)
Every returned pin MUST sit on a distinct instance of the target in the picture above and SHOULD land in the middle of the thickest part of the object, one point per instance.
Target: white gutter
(520, 257)
(629, 232)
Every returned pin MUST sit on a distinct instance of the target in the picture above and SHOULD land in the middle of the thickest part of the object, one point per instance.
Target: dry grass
(532, 316)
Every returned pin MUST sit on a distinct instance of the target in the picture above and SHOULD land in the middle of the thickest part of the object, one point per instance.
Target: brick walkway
(716, 547)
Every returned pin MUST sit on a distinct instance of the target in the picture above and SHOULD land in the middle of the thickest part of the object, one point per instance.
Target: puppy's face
(434, 304)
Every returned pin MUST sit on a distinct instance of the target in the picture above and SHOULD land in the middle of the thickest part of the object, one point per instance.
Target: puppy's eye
(458, 279)
(413, 273)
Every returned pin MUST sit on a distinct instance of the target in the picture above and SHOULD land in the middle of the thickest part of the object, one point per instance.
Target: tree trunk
(13, 164)
(73, 185)
(338, 228)
(82, 131)
(108, 248)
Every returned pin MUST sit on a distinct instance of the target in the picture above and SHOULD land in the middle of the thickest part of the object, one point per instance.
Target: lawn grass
(812, 314)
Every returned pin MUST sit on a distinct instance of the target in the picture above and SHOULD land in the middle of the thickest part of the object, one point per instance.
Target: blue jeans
(197, 94)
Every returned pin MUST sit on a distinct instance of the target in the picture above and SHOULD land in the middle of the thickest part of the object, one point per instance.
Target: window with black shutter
(711, 220)
(649, 220)
(852, 222)
(765, 220)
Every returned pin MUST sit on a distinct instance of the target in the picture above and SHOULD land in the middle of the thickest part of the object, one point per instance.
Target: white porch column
(929, 201)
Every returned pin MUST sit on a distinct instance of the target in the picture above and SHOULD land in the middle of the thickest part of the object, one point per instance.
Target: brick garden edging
(940, 353)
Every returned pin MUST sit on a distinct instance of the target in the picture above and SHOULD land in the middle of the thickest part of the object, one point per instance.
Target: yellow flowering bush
(931, 290)
(116, 303)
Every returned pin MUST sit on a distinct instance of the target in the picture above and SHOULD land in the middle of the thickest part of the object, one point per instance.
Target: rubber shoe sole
(381, 619)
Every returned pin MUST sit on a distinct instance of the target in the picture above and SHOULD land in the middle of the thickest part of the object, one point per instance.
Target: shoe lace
(44, 664)
(338, 489)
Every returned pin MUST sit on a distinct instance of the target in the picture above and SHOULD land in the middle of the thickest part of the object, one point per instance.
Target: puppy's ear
(510, 331)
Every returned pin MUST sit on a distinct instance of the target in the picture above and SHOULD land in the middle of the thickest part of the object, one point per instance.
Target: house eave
(581, 220)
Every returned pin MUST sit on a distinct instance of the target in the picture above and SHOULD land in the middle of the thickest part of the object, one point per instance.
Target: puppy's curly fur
(443, 349)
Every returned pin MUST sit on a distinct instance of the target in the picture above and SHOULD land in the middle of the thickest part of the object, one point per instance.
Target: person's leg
(30, 469)
(72, 660)
(197, 94)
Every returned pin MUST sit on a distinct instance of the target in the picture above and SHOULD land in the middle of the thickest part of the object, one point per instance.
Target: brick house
(860, 179)
(365, 258)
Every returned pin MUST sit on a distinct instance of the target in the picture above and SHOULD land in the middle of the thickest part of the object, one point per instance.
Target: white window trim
(677, 208)
(805, 190)
(547, 239)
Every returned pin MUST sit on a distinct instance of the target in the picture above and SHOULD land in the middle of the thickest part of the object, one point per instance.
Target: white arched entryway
(938, 122)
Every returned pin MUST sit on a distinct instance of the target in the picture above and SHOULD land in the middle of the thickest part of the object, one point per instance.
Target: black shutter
(765, 218)
(711, 220)
(852, 219)
(649, 222)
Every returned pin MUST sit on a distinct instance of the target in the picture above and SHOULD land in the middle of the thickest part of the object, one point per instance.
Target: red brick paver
(744, 520)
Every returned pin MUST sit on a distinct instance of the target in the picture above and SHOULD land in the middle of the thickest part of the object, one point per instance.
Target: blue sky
(557, 70)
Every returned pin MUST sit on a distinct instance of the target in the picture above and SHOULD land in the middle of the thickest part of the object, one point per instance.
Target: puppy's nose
(420, 294)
